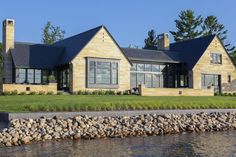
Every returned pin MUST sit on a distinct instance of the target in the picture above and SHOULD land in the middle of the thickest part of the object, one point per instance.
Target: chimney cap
(160, 36)
(9, 21)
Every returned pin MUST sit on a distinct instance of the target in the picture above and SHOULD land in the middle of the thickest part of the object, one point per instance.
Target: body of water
(212, 144)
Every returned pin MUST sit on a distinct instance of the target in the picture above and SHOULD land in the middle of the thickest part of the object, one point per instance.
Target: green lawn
(33, 103)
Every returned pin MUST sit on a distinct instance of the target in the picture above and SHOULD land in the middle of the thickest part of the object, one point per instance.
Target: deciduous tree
(52, 34)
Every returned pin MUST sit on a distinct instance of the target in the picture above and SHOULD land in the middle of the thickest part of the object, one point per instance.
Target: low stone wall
(175, 91)
(23, 131)
(51, 87)
(229, 87)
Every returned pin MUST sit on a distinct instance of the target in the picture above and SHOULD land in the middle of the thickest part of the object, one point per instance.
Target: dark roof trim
(226, 51)
(151, 60)
(205, 51)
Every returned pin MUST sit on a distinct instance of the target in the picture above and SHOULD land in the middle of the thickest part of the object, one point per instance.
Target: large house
(93, 60)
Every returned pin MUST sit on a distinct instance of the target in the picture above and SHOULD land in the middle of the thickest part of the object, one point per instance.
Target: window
(148, 74)
(209, 80)
(156, 68)
(229, 78)
(133, 80)
(148, 67)
(92, 72)
(44, 76)
(156, 81)
(20, 75)
(140, 67)
(148, 80)
(216, 58)
(37, 78)
(134, 67)
(140, 78)
(30, 75)
(102, 72)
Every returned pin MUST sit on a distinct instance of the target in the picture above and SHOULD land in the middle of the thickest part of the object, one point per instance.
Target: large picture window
(149, 74)
(30, 76)
(211, 80)
(102, 73)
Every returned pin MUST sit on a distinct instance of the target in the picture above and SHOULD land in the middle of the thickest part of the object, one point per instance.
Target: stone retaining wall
(175, 91)
(51, 87)
(23, 131)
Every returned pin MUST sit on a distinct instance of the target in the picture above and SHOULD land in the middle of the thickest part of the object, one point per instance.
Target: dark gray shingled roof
(27, 55)
(73, 45)
(190, 51)
(148, 55)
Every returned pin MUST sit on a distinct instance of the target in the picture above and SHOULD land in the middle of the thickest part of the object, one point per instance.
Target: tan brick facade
(101, 46)
(204, 66)
(175, 91)
(52, 87)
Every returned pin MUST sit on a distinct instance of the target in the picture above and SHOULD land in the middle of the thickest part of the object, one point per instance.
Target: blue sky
(127, 20)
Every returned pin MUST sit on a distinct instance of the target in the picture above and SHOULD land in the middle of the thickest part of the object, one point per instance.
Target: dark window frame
(26, 76)
(216, 58)
(229, 79)
(135, 72)
(109, 85)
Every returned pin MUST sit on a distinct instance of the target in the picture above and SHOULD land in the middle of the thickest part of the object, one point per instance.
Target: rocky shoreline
(24, 131)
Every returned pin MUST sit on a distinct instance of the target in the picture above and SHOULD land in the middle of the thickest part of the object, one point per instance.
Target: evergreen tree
(233, 56)
(52, 34)
(212, 26)
(151, 41)
(188, 26)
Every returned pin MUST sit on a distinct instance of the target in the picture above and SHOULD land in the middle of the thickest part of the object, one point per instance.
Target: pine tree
(151, 41)
(211, 26)
(188, 26)
(233, 56)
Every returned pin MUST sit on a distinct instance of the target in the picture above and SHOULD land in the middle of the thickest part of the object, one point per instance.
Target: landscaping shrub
(127, 92)
(32, 93)
(118, 93)
(22, 93)
(60, 93)
(6, 93)
(41, 93)
(15, 92)
(109, 92)
(50, 93)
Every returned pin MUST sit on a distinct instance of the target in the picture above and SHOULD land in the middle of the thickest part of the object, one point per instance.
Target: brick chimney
(163, 42)
(7, 45)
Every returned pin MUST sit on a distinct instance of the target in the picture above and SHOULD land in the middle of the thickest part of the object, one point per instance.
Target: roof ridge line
(213, 35)
(100, 26)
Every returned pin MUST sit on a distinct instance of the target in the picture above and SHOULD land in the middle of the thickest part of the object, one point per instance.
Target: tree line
(190, 26)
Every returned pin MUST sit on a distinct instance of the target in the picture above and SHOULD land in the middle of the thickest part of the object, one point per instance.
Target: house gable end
(216, 46)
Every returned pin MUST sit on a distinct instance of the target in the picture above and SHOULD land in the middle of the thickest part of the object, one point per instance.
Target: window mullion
(95, 72)
(110, 70)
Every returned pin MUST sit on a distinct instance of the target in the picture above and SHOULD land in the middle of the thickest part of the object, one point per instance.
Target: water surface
(205, 144)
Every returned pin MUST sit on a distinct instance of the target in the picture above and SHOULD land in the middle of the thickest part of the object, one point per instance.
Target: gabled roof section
(145, 55)
(28, 55)
(73, 45)
(190, 51)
